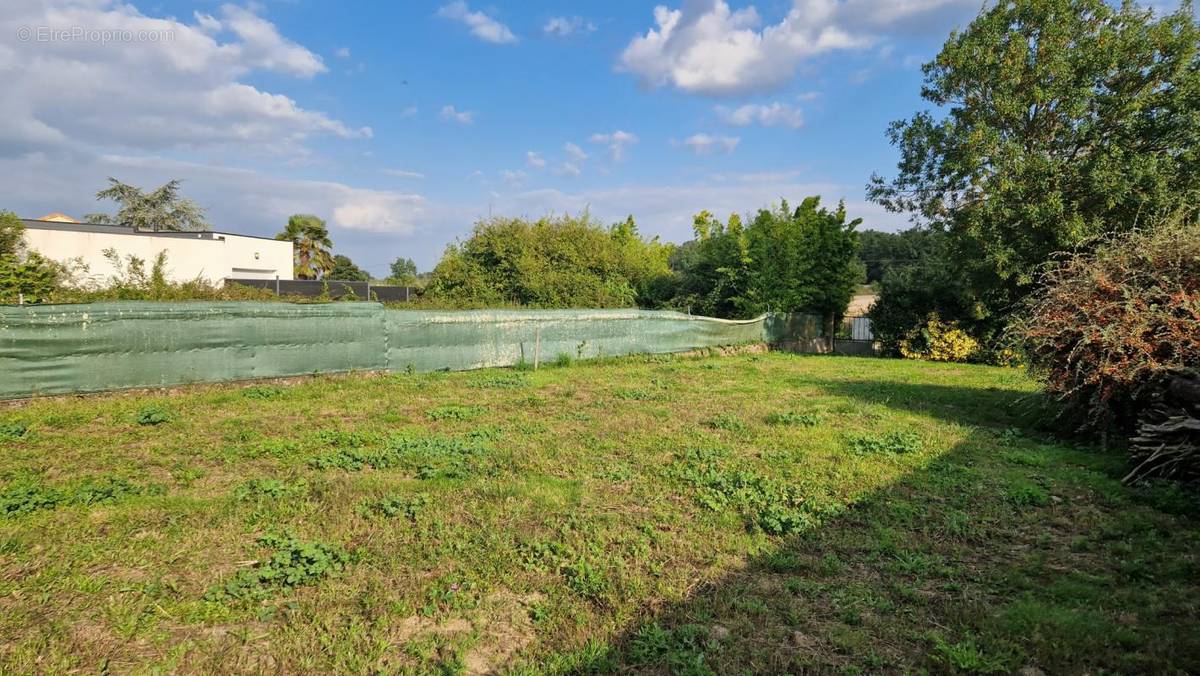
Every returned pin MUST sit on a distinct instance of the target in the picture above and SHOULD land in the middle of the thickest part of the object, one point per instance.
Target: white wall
(211, 256)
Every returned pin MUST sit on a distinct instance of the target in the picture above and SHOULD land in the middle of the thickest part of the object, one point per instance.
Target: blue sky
(402, 123)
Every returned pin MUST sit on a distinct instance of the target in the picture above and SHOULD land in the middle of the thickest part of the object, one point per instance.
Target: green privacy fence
(62, 349)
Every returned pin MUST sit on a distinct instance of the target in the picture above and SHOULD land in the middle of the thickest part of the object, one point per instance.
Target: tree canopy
(345, 270)
(159, 209)
(403, 272)
(1064, 120)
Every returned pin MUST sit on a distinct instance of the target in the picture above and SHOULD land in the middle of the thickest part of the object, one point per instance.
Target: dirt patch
(501, 623)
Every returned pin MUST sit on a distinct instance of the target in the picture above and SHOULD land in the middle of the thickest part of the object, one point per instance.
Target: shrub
(938, 341)
(1115, 336)
(563, 261)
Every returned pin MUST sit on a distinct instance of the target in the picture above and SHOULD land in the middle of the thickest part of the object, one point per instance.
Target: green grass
(769, 513)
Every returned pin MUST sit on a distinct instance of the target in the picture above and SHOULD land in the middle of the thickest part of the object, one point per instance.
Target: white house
(214, 256)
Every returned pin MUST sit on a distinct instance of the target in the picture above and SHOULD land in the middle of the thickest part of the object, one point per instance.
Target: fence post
(368, 289)
(537, 347)
(276, 285)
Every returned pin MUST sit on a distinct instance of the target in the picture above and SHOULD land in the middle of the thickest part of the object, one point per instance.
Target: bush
(1115, 335)
(25, 276)
(555, 262)
(938, 341)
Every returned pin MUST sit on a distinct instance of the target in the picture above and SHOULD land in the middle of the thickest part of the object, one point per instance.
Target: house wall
(211, 256)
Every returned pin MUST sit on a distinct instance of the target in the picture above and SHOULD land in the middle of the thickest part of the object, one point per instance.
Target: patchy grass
(767, 513)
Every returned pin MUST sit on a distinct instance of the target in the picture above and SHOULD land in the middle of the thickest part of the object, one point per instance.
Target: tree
(930, 283)
(345, 270)
(644, 262)
(711, 268)
(1066, 120)
(883, 251)
(25, 276)
(801, 260)
(161, 209)
(404, 272)
(311, 245)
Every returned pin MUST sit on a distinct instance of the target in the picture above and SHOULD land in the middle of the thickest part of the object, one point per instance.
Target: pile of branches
(1114, 334)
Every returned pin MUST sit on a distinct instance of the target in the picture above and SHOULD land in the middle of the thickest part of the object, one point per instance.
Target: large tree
(1063, 120)
(345, 270)
(310, 245)
(159, 209)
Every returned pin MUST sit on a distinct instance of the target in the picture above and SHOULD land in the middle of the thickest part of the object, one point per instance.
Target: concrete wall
(208, 255)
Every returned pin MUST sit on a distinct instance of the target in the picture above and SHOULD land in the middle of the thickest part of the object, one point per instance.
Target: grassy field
(753, 513)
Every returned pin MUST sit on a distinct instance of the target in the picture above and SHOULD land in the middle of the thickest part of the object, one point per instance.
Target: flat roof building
(208, 255)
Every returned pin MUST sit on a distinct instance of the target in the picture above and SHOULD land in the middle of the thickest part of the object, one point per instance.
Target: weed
(407, 506)
(563, 360)
(25, 497)
(634, 394)
(454, 412)
(450, 592)
(263, 392)
(1026, 494)
(271, 489)
(12, 430)
(429, 457)
(292, 563)
(966, 657)
(888, 443)
(586, 579)
(727, 422)
(499, 381)
(793, 419)
(681, 650)
(1025, 458)
(773, 506)
(153, 415)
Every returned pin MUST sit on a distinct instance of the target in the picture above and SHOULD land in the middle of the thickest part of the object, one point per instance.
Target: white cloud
(462, 117)
(535, 160)
(617, 142)
(707, 48)
(183, 92)
(704, 144)
(237, 200)
(482, 26)
(562, 26)
(575, 152)
(401, 173)
(570, 169)
(514, 178)
(773, 115)
(410, 111)
(342, 52)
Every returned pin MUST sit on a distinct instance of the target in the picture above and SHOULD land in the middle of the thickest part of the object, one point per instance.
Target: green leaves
(292, 563)
(1067, 119)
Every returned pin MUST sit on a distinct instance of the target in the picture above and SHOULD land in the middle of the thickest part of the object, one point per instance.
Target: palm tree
(310, 245)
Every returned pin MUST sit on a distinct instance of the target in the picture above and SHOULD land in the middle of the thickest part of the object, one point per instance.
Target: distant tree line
(783, 259)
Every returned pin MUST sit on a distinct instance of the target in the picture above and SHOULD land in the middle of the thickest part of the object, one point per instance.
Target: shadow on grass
(994, 557)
